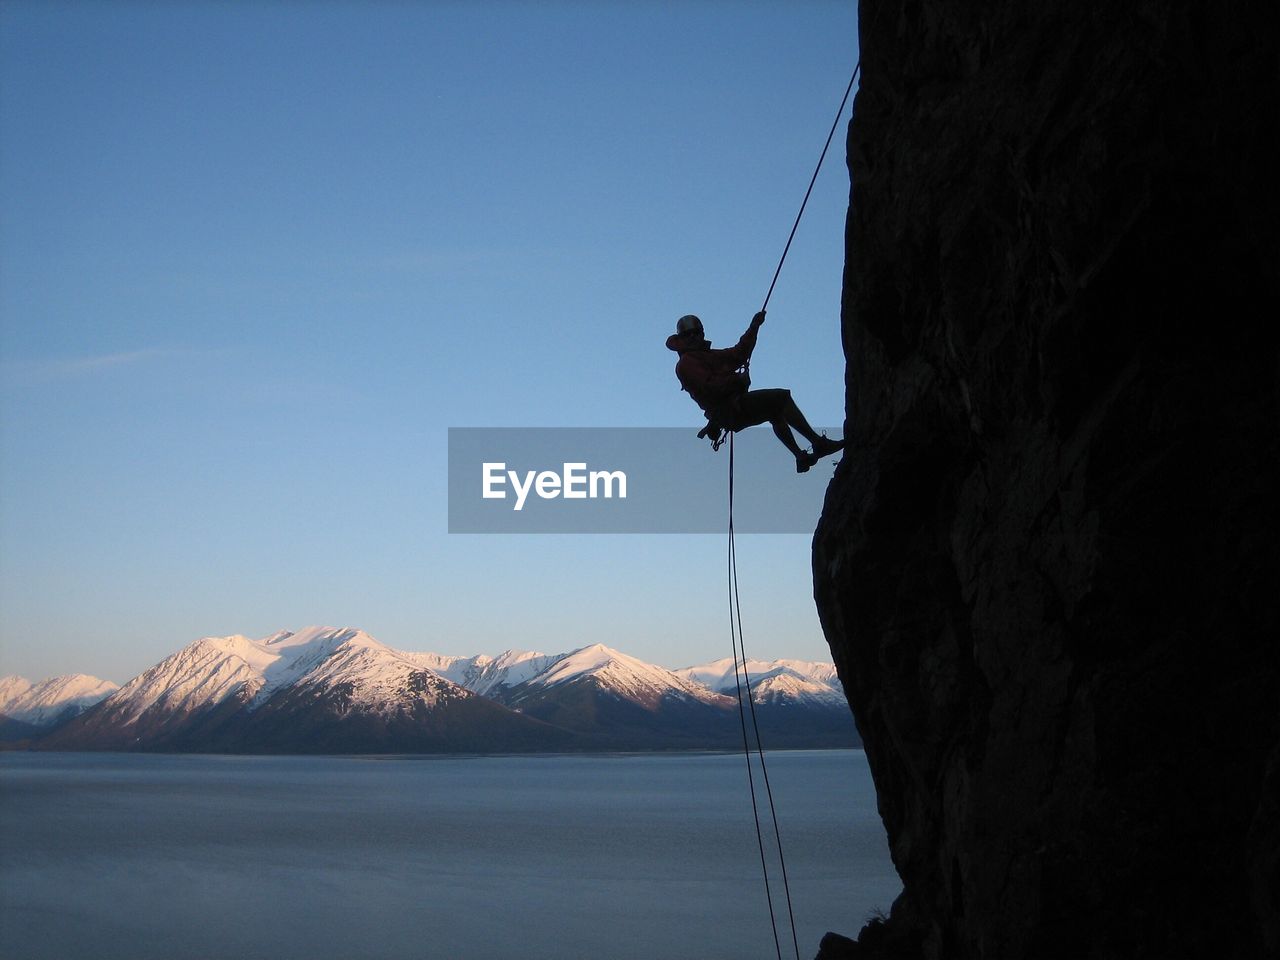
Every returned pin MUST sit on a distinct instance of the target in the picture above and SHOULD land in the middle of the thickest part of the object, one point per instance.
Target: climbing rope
(741, 680)
(741, 676)
(812, 180)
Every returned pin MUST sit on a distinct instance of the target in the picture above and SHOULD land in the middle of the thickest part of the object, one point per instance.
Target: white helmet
(687, 325)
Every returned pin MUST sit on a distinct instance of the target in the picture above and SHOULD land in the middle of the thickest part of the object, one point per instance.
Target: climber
(718, 384)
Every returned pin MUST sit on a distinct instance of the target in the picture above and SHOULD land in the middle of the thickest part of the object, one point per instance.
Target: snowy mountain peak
(511, 668)
(786, 687)
(49, 700)
(586, 660)
(374, 677)
(343, 671)
(308, 636)
(290, 656)
(11, 688)
(772, 680)
(488, 675)
(203, 673)
(621, 674)
(212, 670)
(338, 688)
(718, 674)
(512, 658)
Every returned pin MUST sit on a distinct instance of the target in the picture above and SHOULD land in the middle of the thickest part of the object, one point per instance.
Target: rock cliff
(1048, 562)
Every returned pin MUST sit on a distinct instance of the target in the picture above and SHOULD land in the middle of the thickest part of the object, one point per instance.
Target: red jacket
(711, 376)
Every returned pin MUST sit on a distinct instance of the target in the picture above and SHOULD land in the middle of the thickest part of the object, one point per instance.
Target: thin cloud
(64, 368)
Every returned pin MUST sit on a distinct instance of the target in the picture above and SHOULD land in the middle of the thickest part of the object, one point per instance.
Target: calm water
(173, 857)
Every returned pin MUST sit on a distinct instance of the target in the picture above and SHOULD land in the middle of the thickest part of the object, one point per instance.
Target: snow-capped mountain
(51, 701)
(12, 687)
(515, 674)
(796, 702)
(622, 675)
(328, 689)
(620, 702)
(489, 676)
(774, 681)
(373, 676)
(213, 670)
(235, 693)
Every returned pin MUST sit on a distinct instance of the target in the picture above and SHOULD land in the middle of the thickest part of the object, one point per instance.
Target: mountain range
(338, 690)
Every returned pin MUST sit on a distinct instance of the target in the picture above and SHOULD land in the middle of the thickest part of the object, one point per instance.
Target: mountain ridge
(51, 700)
(325, 689)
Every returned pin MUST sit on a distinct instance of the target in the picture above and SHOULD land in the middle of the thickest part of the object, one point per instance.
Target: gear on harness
(715, 433)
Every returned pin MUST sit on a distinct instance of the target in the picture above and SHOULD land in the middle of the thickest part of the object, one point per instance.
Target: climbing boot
(804, 461)
(825, 446)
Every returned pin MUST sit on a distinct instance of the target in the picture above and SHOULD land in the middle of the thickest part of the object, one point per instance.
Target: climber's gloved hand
(758, 319)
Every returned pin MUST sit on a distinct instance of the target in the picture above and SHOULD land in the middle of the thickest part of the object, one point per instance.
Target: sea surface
(343, 858)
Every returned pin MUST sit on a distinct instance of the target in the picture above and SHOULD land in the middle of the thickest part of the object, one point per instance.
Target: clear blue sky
(256, 258)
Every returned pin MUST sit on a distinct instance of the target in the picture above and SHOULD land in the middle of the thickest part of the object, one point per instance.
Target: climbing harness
(718, 434)
(714, 432)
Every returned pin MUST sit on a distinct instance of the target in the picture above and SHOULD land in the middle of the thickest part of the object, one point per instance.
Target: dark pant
(774, 407)
(754, 407)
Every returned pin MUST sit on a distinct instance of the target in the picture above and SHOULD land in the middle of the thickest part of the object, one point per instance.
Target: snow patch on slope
(621, 674)
(201, 674)
(488, 675)
(209, 671)
(788, 688)
(377, 678)
(43, 703)
(773, 680)
(11, 688)
(284, 657)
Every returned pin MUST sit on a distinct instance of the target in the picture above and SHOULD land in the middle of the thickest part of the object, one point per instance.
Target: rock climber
(718, 384)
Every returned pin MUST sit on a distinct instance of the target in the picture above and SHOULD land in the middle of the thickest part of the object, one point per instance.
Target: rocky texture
(1047, 565)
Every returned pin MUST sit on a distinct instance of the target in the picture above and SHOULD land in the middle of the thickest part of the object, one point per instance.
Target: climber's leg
(776, 408)
(779, 410)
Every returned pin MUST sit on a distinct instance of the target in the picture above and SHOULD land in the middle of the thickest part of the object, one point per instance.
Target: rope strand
(812, 180)
(741, 674)
(742, 716)
(764, 769)
(742, 679)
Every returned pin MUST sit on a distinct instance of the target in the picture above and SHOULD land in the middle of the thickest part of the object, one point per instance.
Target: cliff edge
(1048, 564)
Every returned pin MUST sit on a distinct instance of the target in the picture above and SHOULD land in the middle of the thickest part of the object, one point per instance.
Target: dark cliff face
(1047, 565)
